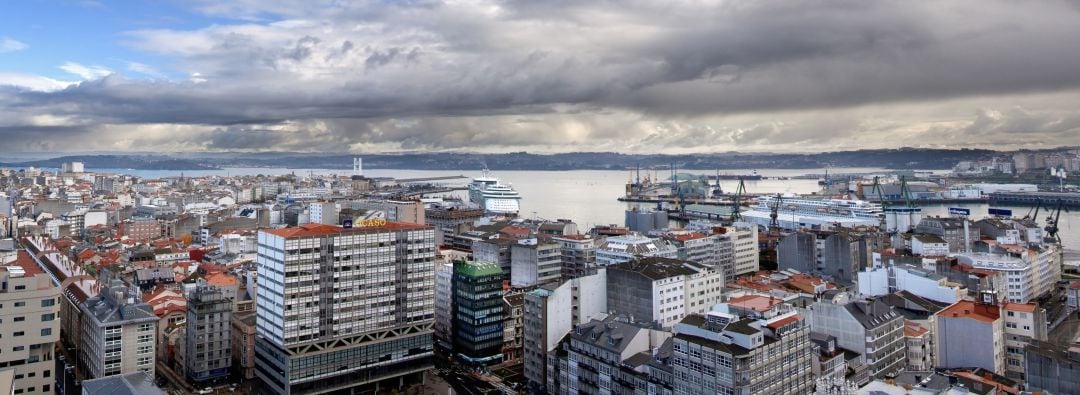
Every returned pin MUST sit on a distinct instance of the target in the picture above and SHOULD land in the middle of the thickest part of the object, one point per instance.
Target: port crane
(774, 221)
(880, 192)
(1052, 221)
(1038, 205)
(736, 200)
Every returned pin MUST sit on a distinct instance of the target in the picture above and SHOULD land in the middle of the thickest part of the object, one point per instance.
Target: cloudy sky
(544, 76)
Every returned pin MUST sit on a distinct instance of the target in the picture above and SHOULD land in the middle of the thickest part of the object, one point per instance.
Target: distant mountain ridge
(902, 158)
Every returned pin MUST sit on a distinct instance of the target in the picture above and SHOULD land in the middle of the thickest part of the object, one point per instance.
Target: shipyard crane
(774, 221)
(1052, 221)
(876, 189)
(1034, 217)
(718, 191)
(774, 212)
(736, 201)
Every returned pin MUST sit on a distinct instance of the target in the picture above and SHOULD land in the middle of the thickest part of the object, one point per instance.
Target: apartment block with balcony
(29, 325)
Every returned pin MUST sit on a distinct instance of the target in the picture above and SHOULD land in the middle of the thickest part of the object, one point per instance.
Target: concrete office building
(868, 327)
(29, 325)
(970, 334)
(208, 346)
(724, 353)
(534, 262)
(1052, 368)
(661, 290)
(477, 312)
(344, 309)
(118, 331)
(552, 310)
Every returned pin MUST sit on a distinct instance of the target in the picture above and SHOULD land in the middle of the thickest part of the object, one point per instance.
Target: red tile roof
(783, 321)
(27, 263)
(967, 309)
(757, 303)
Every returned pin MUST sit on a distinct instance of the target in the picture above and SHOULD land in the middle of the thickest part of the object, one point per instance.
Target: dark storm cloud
(430, 75)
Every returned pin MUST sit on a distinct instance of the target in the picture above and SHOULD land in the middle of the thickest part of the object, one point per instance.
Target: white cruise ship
(801, 212)
(493, 196)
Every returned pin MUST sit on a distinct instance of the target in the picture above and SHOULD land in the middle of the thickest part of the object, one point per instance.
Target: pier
(1067, 199)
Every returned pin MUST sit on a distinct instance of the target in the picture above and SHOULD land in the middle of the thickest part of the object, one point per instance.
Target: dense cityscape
(520, 197)
(293, 284)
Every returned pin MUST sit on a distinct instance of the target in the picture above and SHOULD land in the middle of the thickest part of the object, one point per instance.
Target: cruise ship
(493, 196)
(802, 212)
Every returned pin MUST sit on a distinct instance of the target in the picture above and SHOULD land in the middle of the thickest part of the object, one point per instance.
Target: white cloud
(85, 72)
(11, 45)
(145, 69)
(32, 82)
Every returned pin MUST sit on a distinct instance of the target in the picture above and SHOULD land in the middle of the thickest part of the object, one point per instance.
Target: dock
(1048, 199)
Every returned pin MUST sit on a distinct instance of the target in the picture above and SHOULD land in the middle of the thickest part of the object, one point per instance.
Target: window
(20, 319)
(48, 317)
(17, 334)
(20, 304)
(18, 348)
(20, 287)
(46, 331)
(48, 302)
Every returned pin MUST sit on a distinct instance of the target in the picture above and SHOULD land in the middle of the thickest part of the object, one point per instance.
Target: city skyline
(487, 76)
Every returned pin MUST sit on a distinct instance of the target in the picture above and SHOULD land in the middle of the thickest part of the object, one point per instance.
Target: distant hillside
(903, 158)
(139, 162)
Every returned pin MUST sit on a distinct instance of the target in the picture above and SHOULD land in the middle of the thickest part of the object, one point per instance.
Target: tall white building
(344, 309)
(29, 325)
(1029, 272)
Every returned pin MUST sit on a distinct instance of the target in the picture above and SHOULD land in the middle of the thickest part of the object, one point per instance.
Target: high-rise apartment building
(534, 262)
(478, 312)
(208, 346)
(29, 325)
(344, 308)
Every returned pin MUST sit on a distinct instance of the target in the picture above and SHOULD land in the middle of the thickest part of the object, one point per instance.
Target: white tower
(358, 166)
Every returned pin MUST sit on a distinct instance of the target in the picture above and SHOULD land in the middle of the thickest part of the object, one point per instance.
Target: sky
(674, 76)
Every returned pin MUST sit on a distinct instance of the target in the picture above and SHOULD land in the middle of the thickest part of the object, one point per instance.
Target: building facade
(534, 262)
(868, 327)
(661, 290)
(208, 346)
(344, 309)
(970, 334)
(29, 325)
(723, 353)
(478, 312)
(118, 332)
